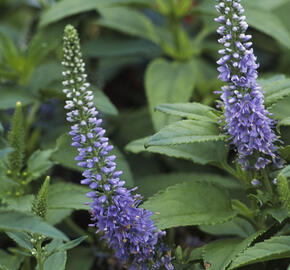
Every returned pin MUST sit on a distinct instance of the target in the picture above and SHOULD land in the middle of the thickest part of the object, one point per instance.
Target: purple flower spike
(128, 229)
(246, 119)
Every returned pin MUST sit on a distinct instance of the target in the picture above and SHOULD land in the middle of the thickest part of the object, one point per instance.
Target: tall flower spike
(128, 229)
(246, 119)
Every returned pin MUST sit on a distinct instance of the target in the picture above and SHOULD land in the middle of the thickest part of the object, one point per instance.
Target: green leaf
(67, 196)
(236, 227)
(56, 261)
(186, 131)
(200, 153)
(11, 220)
(103, 103)
(266, 4)
(128, 21)
(65, 153)
(22, 203)
(285, 122)
(194, 110)
(21, 238)
(221, 253)
(266, 22)
(9, 262)
(167, 82)
(39, 163)
(67, 8)
(55, 216)
(283, 191)
(5, 151)
(276, 88)
(281, 109)
(285, 152)
(150, 185)
(277, 247)
(68, 245)
(190, 204)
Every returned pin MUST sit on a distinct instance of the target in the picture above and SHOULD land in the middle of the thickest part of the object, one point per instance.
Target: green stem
(39, 255)
(174, 25)
(267, 183)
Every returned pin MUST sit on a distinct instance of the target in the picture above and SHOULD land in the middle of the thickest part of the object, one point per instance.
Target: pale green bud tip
(18, 104)
(70, 32)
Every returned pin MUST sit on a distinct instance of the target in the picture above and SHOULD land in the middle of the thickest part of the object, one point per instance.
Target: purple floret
(246, 119)
(128, 229)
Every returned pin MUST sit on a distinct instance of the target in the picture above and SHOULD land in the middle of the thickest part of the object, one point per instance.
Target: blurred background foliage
(139, 53)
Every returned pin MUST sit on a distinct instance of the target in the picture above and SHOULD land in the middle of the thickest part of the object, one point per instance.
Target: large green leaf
(56, 260)
(22, 203)
(265, 21)
(167, 82)
(67, 195)
(281, 110)
(129, 21)
(236, 227)
(194, 110)
(103, 103)
(11, 220)
(67, 8)
(219, 254)
(200, 153)
(275, 88)
(186, 131)
(21, 238)
(150, 185)
(38, 163)
(277, 247)
(193, 203)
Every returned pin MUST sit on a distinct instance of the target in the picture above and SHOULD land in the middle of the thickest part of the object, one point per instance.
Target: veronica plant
(246, 119)
(127, 228)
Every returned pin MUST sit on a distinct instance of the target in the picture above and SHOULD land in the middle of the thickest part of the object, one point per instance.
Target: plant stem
(174, 25)
(39, 255)
(267, 183)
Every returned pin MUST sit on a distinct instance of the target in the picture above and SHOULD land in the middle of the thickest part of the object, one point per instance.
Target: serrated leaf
(150, 185)
(285, 122)
(56, 261)
(186, 131)
(276, 88)
(200, 153)
(190, 204)
(167, 82)
(236, 227)
(38, 163)
(194, 110)
(11, 220)
(285, 152)
(67, 196)
(281, 109)
(22, 203)
(277, 247)
(55, 216)
(21, 238)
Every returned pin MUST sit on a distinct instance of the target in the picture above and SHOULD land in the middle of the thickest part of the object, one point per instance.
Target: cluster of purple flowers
(246, 119)
(128, 229)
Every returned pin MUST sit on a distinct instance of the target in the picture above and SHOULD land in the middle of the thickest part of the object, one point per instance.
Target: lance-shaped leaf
(277, 247)
(167, 82)
(186, 131)
(15, 221)
(200, 153)
(192, 203)
(194, 110)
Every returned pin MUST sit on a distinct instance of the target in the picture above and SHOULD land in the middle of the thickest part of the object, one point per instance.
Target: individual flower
(246, 119)
(127, 228)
